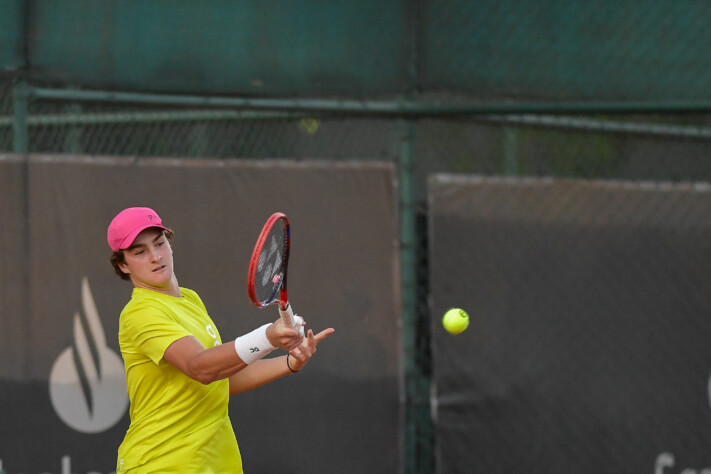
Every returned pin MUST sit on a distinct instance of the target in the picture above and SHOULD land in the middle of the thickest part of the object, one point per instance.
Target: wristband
(254, 345)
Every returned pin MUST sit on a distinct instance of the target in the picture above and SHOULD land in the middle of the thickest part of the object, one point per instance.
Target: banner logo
(87, 383)
(666, 461)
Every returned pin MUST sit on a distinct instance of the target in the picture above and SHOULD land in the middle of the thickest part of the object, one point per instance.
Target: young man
(178, 372)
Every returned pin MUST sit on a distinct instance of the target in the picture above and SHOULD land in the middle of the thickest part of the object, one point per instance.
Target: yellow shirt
(177, 423)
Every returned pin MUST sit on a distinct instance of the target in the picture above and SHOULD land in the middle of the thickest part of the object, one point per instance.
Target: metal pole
(409, 291)
(369, 107)
(510, 152)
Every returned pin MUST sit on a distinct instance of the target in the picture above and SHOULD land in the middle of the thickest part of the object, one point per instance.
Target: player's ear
(124, 268)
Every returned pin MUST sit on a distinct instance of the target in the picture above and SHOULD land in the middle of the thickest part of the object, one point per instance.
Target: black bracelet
(287, 364)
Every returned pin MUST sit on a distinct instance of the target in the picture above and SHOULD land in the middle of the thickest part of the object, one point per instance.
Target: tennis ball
(455, 320)
(309, 125)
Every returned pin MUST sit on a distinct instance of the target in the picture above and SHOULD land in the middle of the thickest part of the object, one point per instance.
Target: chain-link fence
(641, 147)
(525, 50)
(587, 90)
(6, 117)
(657, 146)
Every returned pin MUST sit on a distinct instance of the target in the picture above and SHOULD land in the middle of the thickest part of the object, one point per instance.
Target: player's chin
(160, 277)
(162, 271)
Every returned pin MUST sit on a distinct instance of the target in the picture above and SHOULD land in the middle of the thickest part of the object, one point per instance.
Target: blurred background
(547, 167)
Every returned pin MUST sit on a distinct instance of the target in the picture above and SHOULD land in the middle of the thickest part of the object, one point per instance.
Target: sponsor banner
(13, 270)
(588, 345)
(63, 396)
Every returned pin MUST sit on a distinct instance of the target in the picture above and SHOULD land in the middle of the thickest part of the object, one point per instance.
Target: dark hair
(118, 257)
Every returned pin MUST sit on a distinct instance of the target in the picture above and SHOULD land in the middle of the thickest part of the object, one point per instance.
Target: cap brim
(128, 240)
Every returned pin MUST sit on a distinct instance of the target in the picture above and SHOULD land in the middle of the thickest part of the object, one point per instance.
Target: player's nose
(155, 255)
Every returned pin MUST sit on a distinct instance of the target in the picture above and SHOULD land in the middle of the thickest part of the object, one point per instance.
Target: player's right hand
(284, 337)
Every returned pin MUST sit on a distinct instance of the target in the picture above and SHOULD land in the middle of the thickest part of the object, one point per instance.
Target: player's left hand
(301, 354)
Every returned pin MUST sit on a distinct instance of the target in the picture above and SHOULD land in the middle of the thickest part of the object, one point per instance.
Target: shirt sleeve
(151, 330)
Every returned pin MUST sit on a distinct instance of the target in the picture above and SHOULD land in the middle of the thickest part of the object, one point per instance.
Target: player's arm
(267, 370)
(201, 364)
(257, 374)
(216, 363)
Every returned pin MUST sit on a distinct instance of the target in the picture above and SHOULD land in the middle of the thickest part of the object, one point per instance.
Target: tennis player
(179, 373)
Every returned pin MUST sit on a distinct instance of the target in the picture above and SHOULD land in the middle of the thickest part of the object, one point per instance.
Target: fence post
(407, 278)
(510, 167)
(417, 439)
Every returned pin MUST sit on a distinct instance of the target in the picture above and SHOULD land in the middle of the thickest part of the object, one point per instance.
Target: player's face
(149, 260)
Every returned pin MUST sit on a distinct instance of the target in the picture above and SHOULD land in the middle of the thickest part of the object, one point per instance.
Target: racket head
(266, 279)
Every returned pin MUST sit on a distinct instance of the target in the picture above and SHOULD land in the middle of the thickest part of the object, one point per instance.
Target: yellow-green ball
(455, 320)
(309, 125)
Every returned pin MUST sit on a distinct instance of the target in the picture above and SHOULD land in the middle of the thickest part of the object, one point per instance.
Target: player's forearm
(257, 374)
(209, 365)
(203, 365)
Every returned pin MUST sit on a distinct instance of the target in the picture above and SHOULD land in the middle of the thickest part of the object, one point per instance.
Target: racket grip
(287, 315)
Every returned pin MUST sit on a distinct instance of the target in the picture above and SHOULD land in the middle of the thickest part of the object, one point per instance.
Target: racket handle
(287, 315)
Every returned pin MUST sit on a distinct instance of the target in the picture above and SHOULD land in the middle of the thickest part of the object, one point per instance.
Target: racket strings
(269, 277)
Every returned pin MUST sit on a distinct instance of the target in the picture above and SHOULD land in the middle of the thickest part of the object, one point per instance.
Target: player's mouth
(159, 268)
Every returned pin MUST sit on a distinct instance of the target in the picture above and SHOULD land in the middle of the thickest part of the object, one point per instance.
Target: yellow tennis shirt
(177, 423)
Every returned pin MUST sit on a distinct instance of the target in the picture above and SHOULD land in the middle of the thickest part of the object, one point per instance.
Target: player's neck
(171, 288)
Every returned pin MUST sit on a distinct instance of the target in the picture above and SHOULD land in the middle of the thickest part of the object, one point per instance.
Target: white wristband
(254, 345)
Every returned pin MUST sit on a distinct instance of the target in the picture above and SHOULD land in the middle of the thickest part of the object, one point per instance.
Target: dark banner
(588, 349)
(13, 269)
(64, 407)
(248, 47)
(508, 50)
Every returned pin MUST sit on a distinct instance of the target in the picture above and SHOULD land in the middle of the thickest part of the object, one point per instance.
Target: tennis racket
(266, 279)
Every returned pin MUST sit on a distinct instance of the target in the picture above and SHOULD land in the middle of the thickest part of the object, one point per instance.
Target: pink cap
(126, 226)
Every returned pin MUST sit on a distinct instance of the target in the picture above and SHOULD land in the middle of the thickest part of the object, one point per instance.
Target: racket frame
(285, 310)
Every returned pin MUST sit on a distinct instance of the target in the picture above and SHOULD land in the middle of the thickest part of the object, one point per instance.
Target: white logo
(666, 460)
(211, 331)
(87, 383)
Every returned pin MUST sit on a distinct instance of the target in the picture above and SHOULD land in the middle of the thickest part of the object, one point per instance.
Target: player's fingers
(295, 343)
(300, 354)
(304, 351)
(290, 338)
(323, 334)
(288, 331)
(311, 341)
